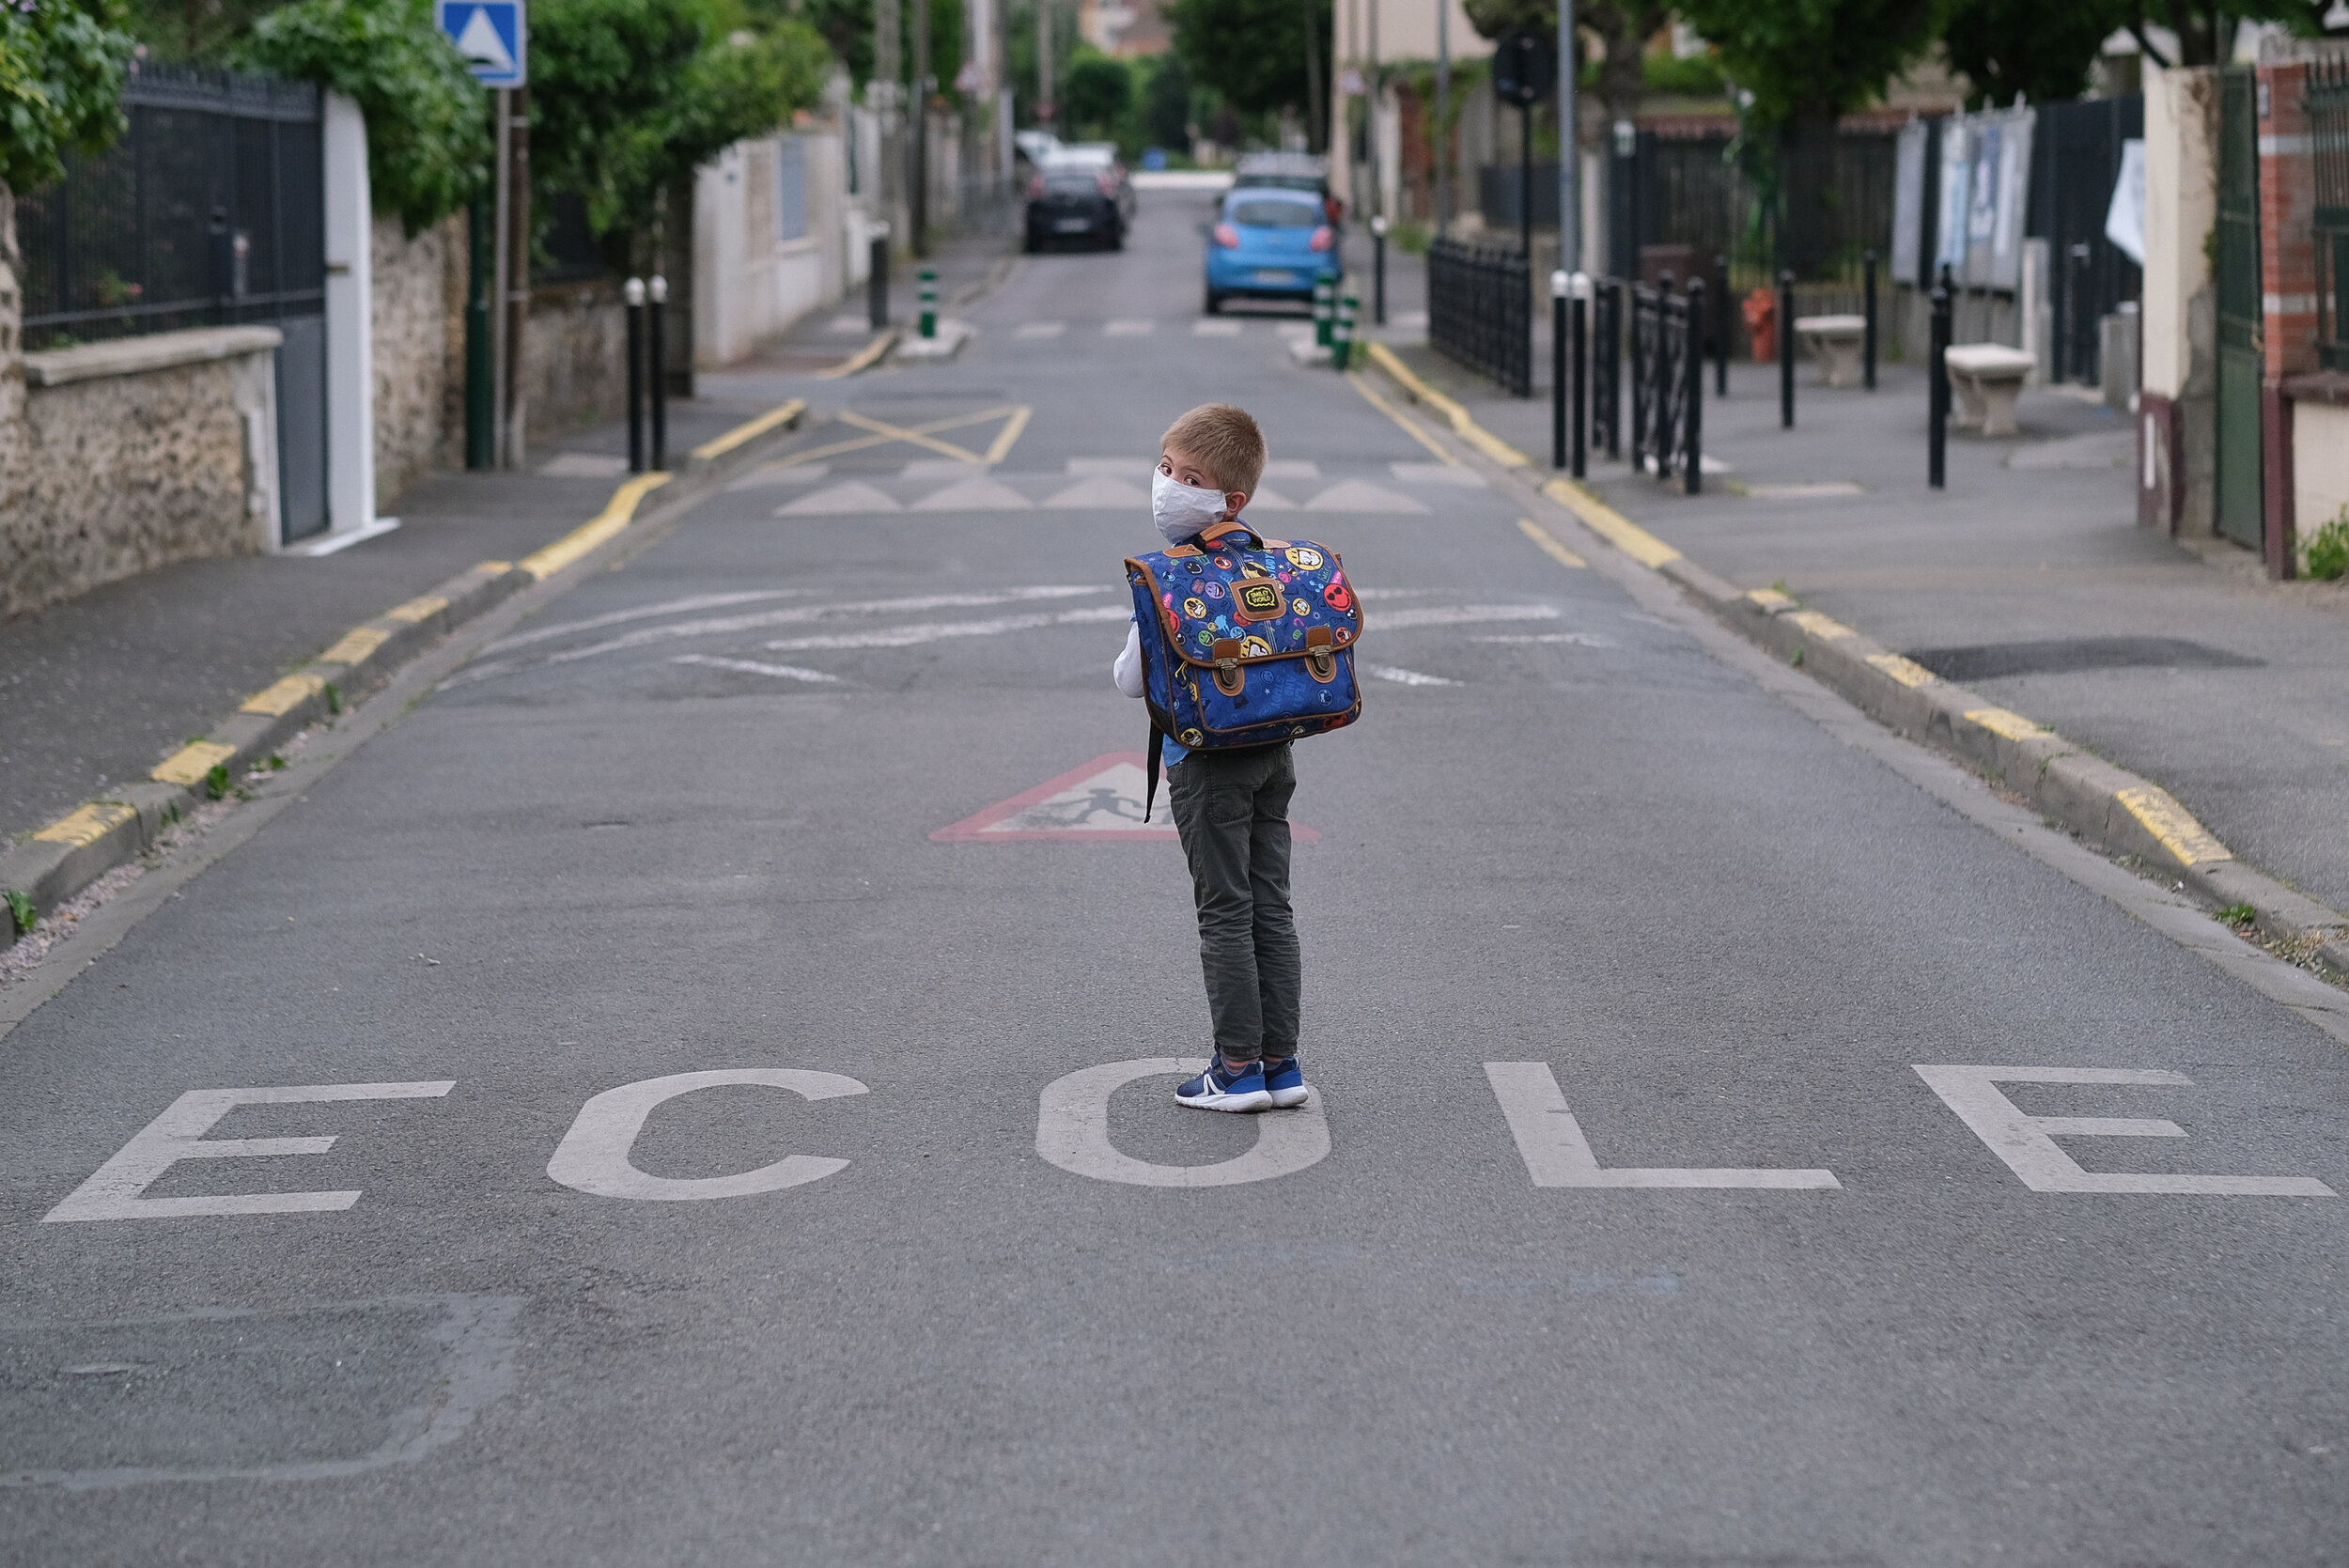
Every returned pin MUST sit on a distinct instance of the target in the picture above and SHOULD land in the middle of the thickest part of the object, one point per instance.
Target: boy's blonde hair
(1226, 439)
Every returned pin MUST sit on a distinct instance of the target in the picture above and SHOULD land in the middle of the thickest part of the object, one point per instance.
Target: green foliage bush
(429, 146)
(1099, 92)
(2329, 552)
(61, 69)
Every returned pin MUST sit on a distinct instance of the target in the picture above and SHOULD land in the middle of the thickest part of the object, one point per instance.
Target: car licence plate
(1073, 225)
(1275, 275)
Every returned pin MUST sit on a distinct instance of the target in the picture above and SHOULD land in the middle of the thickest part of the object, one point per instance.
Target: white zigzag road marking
(1460, 614)
(907, 636)
(752, 667)
(674, 606)
(1405, 678)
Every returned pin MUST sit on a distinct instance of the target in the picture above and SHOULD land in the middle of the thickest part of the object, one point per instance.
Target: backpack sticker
(1195, 608)
(1304, 558)
(1258, 599)
(1213, 590)
(1253, 648)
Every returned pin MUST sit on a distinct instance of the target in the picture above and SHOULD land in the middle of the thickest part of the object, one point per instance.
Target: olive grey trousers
(1232, 808)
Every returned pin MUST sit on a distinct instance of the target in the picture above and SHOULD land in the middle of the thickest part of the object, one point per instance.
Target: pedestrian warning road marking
(1101, 800)
(1098, 493)
(851, 497)
(973, 495)
(1360, 496)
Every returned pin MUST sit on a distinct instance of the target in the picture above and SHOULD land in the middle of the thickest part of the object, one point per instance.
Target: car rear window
(1276, 214)
(1073, 182)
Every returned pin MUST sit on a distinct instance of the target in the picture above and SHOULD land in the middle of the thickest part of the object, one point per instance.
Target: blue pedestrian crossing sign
(491, 36)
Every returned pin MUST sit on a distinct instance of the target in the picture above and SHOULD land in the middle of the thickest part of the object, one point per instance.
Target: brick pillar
(2288, 285)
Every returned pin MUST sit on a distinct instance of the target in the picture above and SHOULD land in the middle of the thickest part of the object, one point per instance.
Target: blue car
(1269, 244)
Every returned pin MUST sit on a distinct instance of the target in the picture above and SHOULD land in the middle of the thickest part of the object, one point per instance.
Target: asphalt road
(681, 822)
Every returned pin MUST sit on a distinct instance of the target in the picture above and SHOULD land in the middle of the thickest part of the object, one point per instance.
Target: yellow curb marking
(1771, 601)
(356, 646)
(284, 697)
(85, 825)
(1610, 524)
(1825, 628)
(862, 358)
(416, 610)
(495, 568)
(783, 414)
(1548, 544)
(1906, 671)
(861, 442)
(187, 765)
(1362, 386)
(1462, 426)
(2172, 825)
(1000, 447)
(579, 541)
(2007, 722)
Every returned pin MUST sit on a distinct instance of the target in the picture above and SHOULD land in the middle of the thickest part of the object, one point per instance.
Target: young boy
(1231, 807)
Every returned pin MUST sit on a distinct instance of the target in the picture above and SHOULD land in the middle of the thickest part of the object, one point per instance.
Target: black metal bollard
(1378, 269)
(1558, 368)
(634, 292)
(659, 291)
(1868, 340)
(1692, 362)
(1785, 350)
(876, 280)
(1610, 355)
(1937, 388)
(1721, 330)
(1578, 309)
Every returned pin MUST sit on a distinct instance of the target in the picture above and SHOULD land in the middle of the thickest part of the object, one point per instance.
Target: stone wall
(419, 423)
(137, 452)
(574, 359)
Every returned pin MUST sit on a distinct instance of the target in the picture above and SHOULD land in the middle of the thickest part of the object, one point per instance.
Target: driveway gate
(210, 212)
(2240, 347)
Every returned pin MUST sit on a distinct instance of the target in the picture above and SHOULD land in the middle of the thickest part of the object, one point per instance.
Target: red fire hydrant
(1761, 313)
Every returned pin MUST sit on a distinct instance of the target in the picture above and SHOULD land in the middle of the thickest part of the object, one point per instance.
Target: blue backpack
(1246, 641)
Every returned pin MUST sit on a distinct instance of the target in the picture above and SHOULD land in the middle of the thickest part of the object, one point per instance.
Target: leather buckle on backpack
(1231, 677)
(1321, 655)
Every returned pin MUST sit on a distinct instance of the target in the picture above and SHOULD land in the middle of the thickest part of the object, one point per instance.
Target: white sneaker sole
(1289, 1099)
(1260, 1100)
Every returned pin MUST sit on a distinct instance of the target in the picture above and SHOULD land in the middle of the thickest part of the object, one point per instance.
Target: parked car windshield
(1276, 213)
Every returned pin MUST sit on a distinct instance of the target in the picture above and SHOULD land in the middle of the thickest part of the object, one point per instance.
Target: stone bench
(1987, 377)
(1833, 343)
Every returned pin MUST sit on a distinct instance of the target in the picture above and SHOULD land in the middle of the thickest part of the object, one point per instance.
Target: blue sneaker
(1216, 1090)
(1284, 1081)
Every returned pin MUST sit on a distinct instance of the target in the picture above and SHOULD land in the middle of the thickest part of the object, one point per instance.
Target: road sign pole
(502, 110)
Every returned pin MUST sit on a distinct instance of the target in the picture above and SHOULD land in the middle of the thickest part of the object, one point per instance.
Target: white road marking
(1462, 614)
(583, 465)
(1266, 498)
(593, 1155)
(729, 625)
(1457, 474)
(1360, 496)
(850, 498)
(942, 468)
(1115, 468)
(2027, 1144)
(1208, 326)
(938, 632)
(667, 607)
(1292, 468)
(1557, 1154)
(1579, 639)
(752, 667)
(974, 495)
(1099, 493)
(177, 1134)
(1402, 676)
(1072, 1131)
(1127, 329)
(1041, 329)
(773, 476)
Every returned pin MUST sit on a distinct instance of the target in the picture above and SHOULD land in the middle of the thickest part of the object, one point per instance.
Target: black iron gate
(209, 211)
(1480, 310)
(2076, 162)
(2240, 313)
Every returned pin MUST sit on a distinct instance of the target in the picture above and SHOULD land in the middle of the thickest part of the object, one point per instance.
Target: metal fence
(1668, 381)
(209, 211)
(2075, 161)
(1480, 303)
(2328, 135)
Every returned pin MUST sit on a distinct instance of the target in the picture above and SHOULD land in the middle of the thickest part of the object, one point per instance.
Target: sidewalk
(2026, 580)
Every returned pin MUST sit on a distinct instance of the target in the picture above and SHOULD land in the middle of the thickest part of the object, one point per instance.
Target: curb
(2109, 806)
(54, 863)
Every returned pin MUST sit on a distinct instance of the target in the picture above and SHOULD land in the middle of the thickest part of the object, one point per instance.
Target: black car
(1065, 203)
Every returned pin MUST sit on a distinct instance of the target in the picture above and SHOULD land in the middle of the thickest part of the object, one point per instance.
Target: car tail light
(1324, 238)
(1035, 189)
(1227, 237)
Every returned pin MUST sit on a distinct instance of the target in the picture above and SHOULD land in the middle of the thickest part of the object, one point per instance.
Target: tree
(1099, 91)
(1252, 51)
(1810, 62)
(1623, 28)
(61, 69)
(1166, 103)
(427, 120)
(2027, 48)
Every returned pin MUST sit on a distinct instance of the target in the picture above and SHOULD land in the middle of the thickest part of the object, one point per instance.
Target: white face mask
(1180, 510)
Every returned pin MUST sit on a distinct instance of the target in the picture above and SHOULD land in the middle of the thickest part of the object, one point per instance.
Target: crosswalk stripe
(1041, 329)
(1360, 495)
(853, 496)
(1128, 329)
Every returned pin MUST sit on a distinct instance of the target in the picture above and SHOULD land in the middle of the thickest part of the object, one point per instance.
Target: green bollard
(1325, 310)
(1342, 334)
(929, 301)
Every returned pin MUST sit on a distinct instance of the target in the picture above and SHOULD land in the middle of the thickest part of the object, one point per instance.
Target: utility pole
(1378, 178)
(1569, 154)
(1443, 117)
(918, 118)
(1045, 118)
(882, 95)
(513, 269)
(1316, 123)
